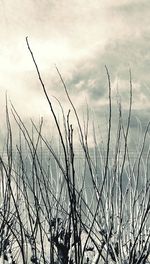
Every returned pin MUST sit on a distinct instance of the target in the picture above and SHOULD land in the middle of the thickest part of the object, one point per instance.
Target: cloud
(81, 37)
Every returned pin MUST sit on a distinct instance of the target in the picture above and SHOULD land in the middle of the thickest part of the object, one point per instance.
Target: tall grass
(55, 208)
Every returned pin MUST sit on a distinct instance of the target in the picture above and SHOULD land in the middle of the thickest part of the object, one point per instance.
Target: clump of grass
(48, 211)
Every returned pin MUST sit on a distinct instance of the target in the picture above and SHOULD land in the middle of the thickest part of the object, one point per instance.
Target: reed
(56, 208)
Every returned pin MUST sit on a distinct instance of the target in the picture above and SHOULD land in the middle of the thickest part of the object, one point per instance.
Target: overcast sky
(80, 37)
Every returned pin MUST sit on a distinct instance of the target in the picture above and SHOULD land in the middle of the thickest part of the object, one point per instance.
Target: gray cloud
(81, 37)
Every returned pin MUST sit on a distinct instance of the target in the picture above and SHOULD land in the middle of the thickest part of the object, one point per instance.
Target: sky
(80, 37)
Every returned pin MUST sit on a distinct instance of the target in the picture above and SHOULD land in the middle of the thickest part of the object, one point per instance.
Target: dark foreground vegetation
(60, 209)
